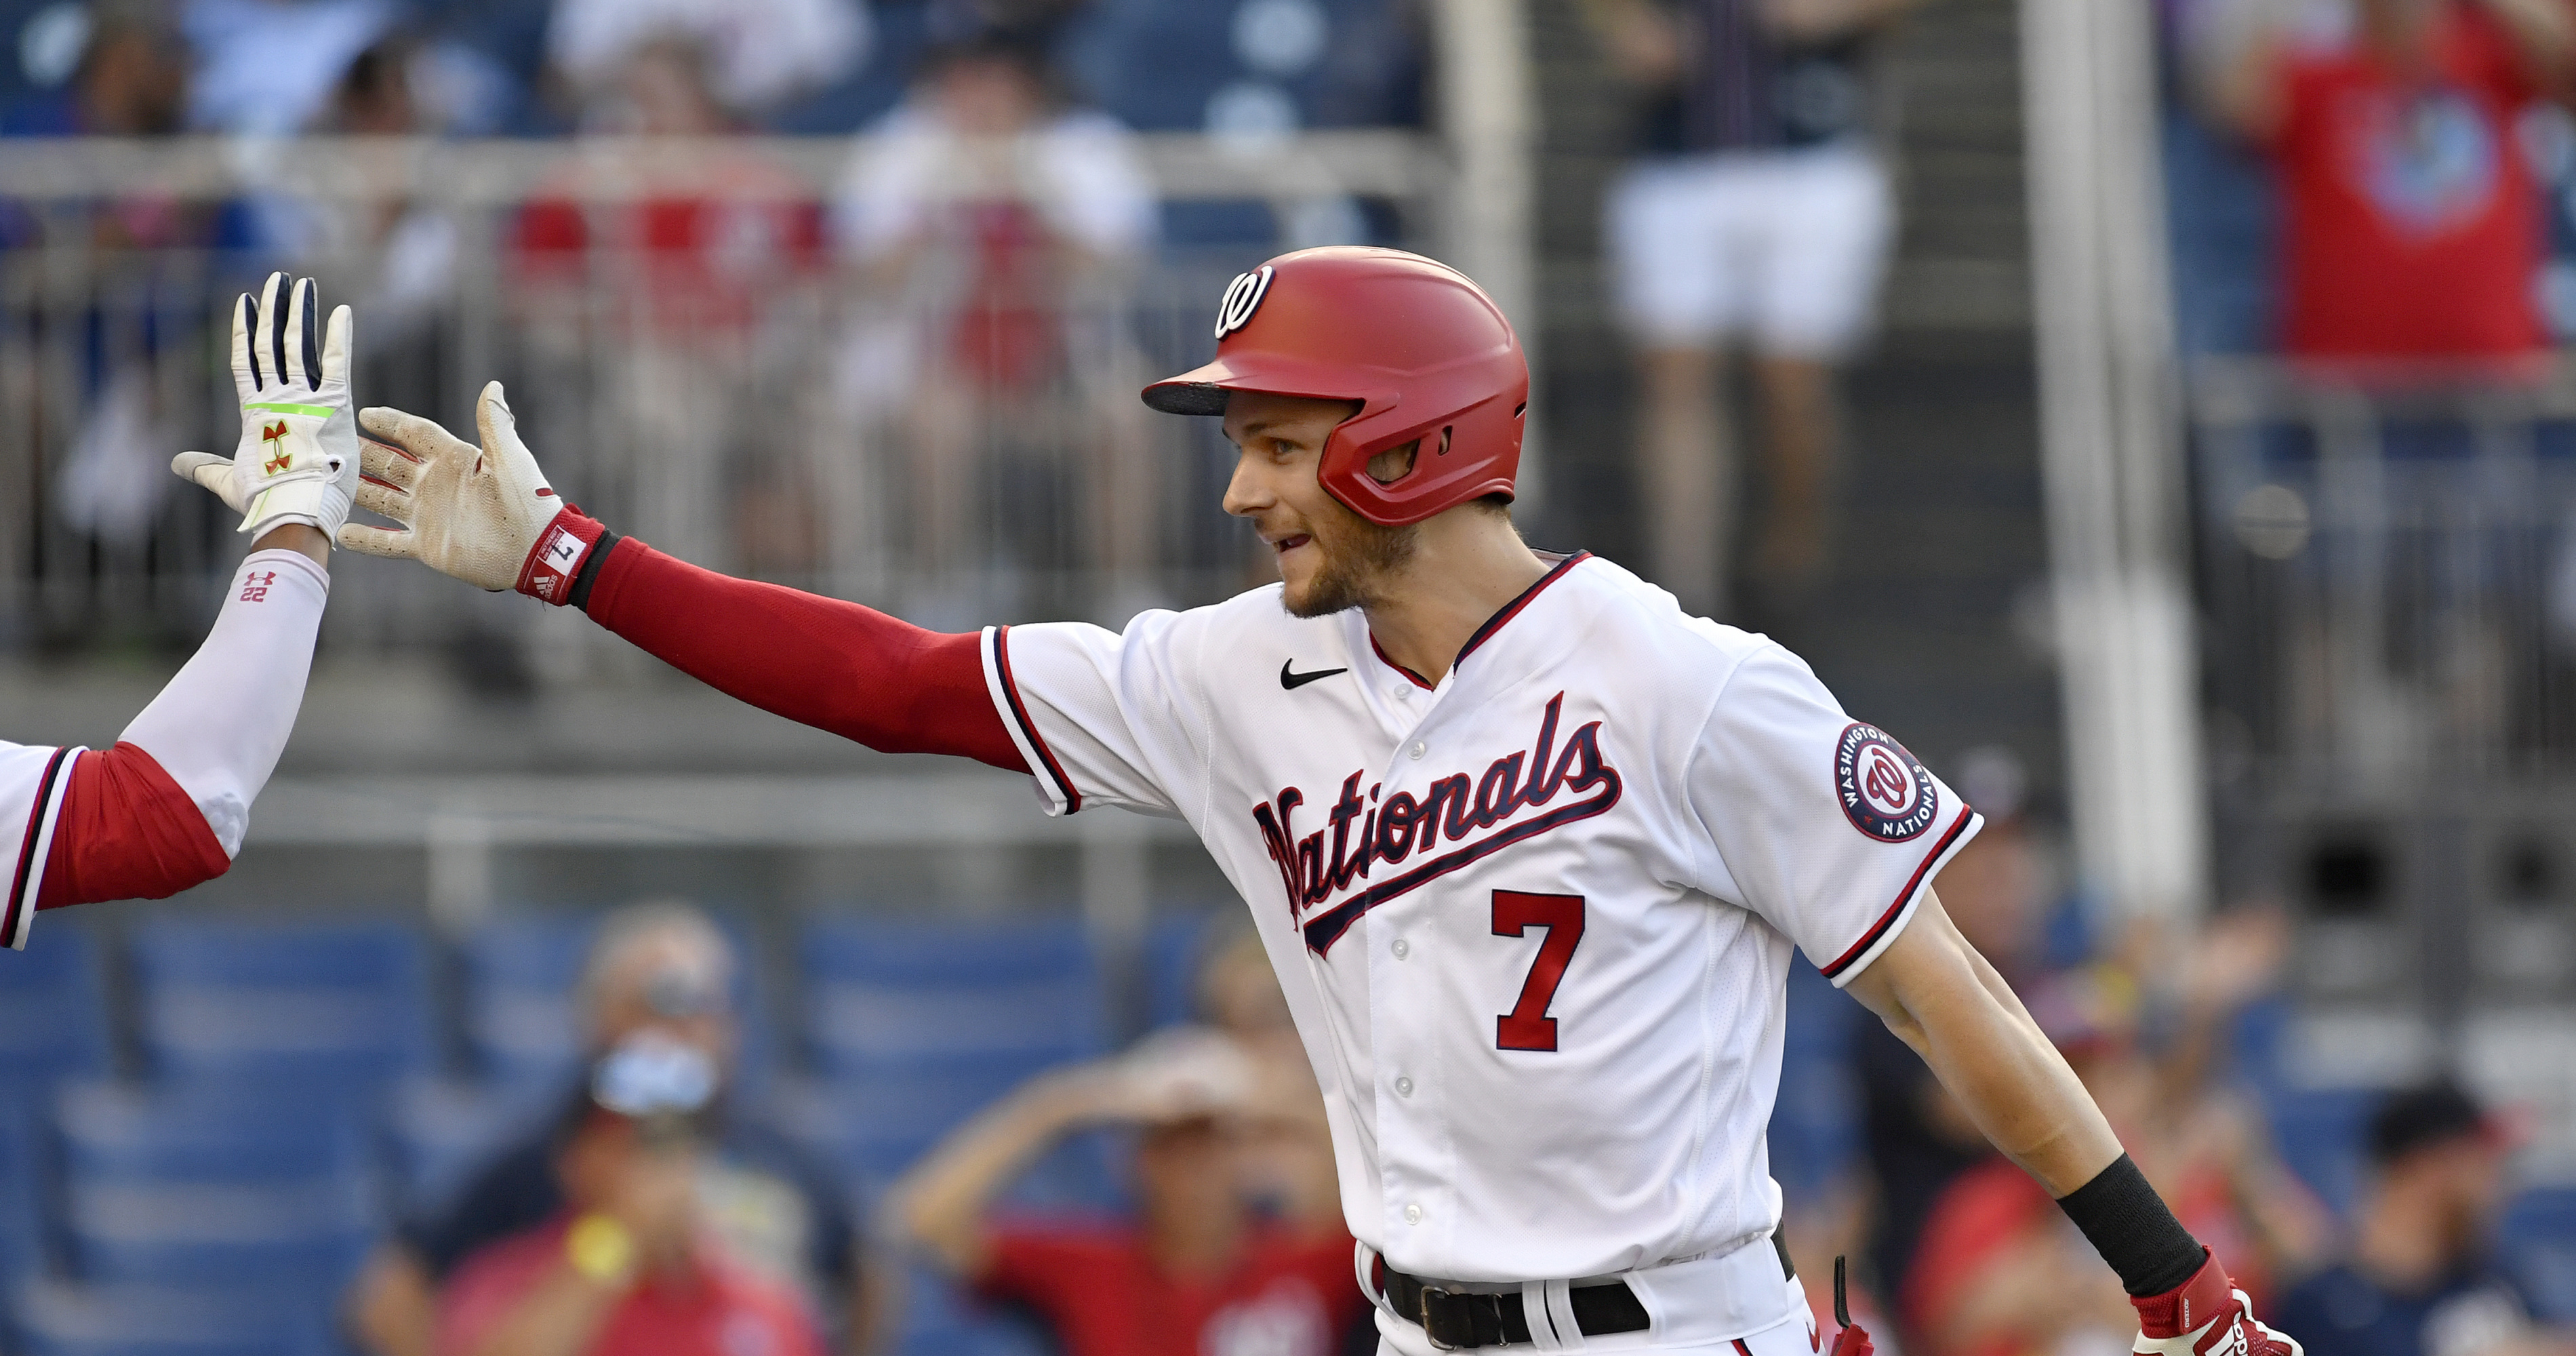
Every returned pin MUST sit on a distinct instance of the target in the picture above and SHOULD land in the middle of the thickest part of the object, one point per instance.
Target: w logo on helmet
(1242, 297)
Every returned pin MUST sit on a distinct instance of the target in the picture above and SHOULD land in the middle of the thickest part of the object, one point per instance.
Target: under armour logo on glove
(297, 461)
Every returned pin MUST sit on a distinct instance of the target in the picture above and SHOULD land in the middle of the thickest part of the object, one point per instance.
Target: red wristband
(562, 547)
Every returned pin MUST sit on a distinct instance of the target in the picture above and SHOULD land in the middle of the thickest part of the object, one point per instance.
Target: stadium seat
(519, 975)
(214, 1187)
(53, 1018)
(329, 1009)
(2539, 1243)
(887, 998)
(938, 1321)
(1153, 64)
(1815, 1124)
(2319, 1132)
(875, 1126)
(204, 1135)
(56, 1318)
(1175, 948)
(286, 1241)
(438, 1131)
(23, 1173)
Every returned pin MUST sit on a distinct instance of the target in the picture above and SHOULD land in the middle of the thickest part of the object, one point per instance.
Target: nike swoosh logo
(1293, 681)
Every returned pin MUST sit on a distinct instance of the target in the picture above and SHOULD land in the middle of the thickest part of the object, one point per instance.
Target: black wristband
(2130, 1225)
(589, 573)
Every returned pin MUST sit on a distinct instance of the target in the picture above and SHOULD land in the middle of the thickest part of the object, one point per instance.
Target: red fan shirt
(2411, 227)
(1286, 1294)
(719, 1309)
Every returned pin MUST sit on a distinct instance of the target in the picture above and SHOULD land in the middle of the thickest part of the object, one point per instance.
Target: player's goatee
(1358, 556)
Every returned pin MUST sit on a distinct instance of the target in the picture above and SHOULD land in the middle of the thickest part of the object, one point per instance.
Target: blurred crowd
(2385, 1238)
(656, 1205)
(951, 319)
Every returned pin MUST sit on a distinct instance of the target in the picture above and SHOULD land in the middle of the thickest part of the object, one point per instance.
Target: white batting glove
(484, 515)
(298, 457)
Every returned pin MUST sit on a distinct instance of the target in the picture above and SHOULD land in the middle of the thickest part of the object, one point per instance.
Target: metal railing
(953, 433)
(2389, 558)
(2387, 564)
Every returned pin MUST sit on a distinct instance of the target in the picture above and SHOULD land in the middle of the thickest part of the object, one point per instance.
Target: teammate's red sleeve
(126, 831)
(833, 665)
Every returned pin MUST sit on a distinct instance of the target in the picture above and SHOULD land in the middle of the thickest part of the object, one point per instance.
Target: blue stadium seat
(339, 1009)
(1161, 65)
(438, 1131)
(1815, 1124)
(2539, 1242)
(938, 1321)
(286, 1243)
(53, 1018)
(1153, 64)
(874, 1126)
(62, 1319)
(214, 1187)
(902, 997)
(24, 1171)
(1175, 948)
(2319, 1132)
(519, 975)
(119, 1135)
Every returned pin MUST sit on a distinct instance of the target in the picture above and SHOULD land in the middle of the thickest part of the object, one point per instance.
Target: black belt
(1458, 1320)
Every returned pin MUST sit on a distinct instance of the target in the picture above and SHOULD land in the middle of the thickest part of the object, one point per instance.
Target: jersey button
(1413, 1214)
(1419, 748)
(1402, 948)
(1403, 1087)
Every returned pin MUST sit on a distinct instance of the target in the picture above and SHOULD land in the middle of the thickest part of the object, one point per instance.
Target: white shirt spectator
(759, 52)
(1080, 171)
(267, 67)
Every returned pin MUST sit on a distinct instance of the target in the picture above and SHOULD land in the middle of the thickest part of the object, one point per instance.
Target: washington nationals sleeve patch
(1884, 791)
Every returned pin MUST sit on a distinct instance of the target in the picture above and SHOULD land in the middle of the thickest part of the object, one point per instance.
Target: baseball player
(1528, 846)
(166, 808)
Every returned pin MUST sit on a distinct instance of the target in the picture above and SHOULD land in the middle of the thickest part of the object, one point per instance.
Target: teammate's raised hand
(484, 515)
(297, 461)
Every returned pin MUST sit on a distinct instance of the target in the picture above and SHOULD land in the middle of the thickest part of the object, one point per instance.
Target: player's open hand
(297, 461)
(477, 513)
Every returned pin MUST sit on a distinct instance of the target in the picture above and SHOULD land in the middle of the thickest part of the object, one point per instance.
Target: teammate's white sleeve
(220, 725)
(1823, 825)
(33, 779)
(1103, 717)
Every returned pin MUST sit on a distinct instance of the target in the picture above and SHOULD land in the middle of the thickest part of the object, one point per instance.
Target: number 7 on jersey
(1527, 1026)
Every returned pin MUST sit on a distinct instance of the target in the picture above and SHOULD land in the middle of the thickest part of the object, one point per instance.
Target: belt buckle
(1422, 1315)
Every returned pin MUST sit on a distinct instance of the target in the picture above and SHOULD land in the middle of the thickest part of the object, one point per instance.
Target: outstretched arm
(167, 807)
(1943, 999)
(833, 665)
(487, 516)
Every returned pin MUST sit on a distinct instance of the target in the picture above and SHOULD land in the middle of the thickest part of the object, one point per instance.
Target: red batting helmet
(1426, 353)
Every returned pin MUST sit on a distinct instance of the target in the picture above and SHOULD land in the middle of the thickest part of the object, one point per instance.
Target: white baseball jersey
(1534, 922)
(32, 780)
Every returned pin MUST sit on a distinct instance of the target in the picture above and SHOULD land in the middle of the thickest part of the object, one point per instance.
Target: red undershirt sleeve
(127, 831)
(833, 665)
